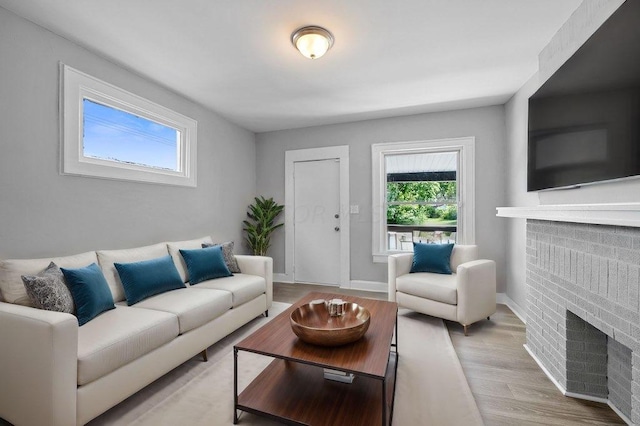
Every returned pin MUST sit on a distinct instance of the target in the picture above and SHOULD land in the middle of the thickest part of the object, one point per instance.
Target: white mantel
(619, 214)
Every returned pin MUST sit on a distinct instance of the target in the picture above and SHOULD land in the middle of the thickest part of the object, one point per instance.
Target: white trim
(573, 394)
(375, 286)
(282, 278)
(313, 154)
(553, 380)
(503, 299)
(76, 86)
(620, 414)
(466, 189)
(620, 214)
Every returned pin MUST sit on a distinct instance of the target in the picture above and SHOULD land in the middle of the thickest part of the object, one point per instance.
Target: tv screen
(584, 121)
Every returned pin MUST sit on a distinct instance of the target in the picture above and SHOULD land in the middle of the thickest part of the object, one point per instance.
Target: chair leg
(465, 329)
(205, 358)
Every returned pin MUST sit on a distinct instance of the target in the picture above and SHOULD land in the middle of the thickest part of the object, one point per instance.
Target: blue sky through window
(115, 135)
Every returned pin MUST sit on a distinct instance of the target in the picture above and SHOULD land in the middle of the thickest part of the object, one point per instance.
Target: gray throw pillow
(48, 291)
(227, 253)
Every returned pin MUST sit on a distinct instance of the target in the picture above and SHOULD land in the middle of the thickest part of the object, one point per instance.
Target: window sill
(383, 257)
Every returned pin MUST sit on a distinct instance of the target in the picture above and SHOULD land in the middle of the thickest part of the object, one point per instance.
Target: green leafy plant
(262, 215)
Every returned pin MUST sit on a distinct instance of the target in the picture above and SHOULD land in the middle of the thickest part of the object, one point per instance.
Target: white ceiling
(390, 58)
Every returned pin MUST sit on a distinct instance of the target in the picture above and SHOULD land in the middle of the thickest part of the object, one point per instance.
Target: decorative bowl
(313, 324)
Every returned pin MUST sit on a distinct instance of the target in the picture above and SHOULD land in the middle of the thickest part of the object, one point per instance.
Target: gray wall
(486, 124)
(43, 213)
(584, 21)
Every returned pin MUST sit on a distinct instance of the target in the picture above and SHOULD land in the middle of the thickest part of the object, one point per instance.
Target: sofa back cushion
(11, 271)
(107, 258)
(174, 250)
(463, 254)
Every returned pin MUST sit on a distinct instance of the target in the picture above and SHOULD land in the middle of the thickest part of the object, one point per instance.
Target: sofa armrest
(39, 360)
(261, 266)
(398, 264)
(476, 290)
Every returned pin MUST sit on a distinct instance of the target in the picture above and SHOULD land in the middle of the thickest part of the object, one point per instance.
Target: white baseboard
(503, 299)
(573, 394)
(376, 286)
(545, 371)
(626, 419)
(282, 278)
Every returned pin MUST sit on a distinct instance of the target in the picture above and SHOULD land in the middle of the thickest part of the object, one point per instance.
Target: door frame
(314, 154)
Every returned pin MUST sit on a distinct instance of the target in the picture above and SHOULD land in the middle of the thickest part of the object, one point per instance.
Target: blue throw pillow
(148, 277)
(90, 291)
(432, 258)
(205, 264)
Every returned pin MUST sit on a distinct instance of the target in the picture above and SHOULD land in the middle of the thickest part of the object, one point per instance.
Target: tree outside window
(421, 203)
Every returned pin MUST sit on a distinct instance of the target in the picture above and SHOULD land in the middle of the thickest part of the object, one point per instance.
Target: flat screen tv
(584, 121)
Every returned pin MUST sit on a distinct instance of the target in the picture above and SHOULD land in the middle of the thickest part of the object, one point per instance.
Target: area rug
(431, 388)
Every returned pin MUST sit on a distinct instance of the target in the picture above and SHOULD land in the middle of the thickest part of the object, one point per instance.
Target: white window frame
(76, 86)
(465, 147)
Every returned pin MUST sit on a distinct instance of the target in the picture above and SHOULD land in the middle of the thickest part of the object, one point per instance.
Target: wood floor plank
(501, 420)
(551, 414)
(515, 364)
(490, 387)
(509, 387)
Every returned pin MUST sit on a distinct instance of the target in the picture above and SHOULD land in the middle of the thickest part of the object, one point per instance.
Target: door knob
(337, 216)
(337, 228)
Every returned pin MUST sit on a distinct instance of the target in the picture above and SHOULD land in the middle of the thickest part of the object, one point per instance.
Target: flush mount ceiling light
(312, 41)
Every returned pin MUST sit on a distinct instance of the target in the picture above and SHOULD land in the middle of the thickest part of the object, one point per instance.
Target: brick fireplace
(583, 322)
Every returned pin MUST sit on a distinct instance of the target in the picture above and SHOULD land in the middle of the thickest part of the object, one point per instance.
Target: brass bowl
(313, 324)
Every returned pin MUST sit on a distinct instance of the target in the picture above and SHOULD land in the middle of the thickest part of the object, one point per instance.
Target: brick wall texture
(583, 319)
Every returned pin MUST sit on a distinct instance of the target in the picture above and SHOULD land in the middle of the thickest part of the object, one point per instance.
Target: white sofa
(466, 296)
(53, 372)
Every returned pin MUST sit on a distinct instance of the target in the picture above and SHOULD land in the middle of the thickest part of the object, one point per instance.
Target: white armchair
(466, 296)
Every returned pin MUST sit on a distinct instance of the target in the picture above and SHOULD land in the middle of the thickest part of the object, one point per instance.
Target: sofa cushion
(243, 287)
(148, 277)
(433, 258)
(174, 250)
(227, 253)
(120, 336)
(193, 306)
(48, 290)
(107, 258)
(90, 292)
(463, 254)
(11, 271)
(205, 264)
(437, 287)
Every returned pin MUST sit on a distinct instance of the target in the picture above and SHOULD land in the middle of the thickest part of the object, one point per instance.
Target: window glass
(115, 135)
(421, 199)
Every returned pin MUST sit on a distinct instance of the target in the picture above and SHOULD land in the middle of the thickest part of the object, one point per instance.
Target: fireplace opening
(598, 365)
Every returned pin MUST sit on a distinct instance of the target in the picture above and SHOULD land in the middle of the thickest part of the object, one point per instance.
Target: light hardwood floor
(509, 387)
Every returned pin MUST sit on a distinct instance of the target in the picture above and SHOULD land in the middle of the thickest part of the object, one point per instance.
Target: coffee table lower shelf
(298, 394)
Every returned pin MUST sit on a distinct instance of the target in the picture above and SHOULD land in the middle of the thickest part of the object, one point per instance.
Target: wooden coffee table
(292, 389)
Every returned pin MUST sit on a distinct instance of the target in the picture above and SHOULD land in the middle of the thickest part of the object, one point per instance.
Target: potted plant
(262, 215)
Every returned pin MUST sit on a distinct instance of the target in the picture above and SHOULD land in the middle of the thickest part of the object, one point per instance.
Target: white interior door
(317, 222)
